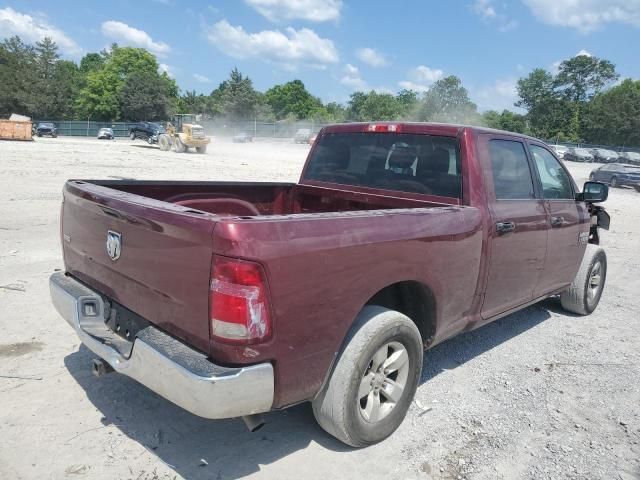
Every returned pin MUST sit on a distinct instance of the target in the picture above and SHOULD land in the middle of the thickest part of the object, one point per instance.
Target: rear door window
(510, 167)
(425, 164)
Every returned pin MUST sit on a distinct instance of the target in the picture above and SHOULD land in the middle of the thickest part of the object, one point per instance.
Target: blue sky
(338, 46)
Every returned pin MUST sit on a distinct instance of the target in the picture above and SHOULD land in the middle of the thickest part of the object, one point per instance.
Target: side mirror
(593, 192)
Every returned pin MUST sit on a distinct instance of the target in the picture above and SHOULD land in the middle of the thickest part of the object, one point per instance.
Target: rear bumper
(163, 364)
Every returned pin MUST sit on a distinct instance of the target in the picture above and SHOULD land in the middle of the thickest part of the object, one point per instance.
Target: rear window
(426, 164)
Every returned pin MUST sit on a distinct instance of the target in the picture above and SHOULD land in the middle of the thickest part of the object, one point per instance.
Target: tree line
(581, 102)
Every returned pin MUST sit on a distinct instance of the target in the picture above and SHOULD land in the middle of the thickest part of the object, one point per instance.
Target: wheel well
(414, 300)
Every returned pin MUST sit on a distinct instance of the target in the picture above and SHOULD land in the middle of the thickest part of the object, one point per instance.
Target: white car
(560, 150)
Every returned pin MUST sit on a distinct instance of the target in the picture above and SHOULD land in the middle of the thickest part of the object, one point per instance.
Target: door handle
(557, 221)
(505, 227)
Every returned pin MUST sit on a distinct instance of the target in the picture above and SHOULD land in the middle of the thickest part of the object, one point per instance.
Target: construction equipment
(183, 133)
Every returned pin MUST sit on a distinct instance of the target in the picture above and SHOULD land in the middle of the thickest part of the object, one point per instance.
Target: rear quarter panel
(322, 269)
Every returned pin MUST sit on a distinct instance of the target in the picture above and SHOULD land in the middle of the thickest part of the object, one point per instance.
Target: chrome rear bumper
(163, 364)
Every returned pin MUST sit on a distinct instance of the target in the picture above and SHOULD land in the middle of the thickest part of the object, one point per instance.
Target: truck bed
(255, 199)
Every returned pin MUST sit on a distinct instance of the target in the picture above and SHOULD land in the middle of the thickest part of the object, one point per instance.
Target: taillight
(238, 305)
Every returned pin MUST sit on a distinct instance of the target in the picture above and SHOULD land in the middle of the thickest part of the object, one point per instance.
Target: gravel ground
(539, 394)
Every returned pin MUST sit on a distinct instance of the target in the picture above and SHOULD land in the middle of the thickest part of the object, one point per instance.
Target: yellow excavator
(183, 133)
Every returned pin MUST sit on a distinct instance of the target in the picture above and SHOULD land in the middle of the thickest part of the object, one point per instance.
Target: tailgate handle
(505, 227)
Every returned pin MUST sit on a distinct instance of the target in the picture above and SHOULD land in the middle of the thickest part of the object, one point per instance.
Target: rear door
(568, 221)
(518, 235)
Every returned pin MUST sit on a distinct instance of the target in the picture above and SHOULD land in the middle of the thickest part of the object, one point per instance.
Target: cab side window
(556, 184)
(511, 174)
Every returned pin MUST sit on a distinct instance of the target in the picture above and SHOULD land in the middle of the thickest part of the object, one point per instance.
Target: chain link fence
(255, 128)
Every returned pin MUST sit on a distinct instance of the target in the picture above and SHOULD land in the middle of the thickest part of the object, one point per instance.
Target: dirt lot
(539, 394)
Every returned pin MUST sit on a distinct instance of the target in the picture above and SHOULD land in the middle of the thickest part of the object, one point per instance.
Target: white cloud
(500, 95)
(372, 57)
(292, 47)
(491, 14)
(421, 78)
(164, 68)
(123, 34)
(585, 15)
(310, 10)
(353, 79)
(201, 78)
(34, 29)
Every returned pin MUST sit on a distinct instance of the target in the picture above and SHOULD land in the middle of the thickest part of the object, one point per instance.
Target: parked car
(234, 298)
(617, 175)
(106, 134)
(47, 128)
(578, 155)
(560, 150)
(632, 158)
(302, 135)
(602, 155)
(146, 131)
(242, 137)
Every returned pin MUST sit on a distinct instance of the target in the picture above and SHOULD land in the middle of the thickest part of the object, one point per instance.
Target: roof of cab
(449, 129)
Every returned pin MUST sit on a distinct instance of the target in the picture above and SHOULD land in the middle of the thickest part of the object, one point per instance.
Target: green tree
(92, 62)
(448, 101)
(584, 76)
(292, 98)
(549, 115)
(235, 98)
(143, 96)
(17, 77)
(102, 96)
(408, 100)
(507, 120)
(613, 116)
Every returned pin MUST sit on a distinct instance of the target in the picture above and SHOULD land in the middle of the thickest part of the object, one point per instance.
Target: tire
(132, 135)
(584, 294)
(179, 146)
(346, 406)
(150, 140)
(591, 177)
(39, 134)
(614, 182)
(164, 142)
(202, 149)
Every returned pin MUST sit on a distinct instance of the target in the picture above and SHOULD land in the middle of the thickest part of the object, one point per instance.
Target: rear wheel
(132, 136)
(179, 146)
(614, 182)
(202, 149)
(164, 142)
(374, 380)
(584, 294)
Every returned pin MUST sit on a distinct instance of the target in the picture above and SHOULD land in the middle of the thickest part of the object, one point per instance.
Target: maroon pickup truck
(232, 299)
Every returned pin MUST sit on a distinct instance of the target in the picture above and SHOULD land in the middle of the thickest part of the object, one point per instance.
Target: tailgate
(162, 271)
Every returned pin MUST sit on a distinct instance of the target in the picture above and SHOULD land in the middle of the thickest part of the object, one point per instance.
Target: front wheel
(584, 294)
(374, 380)
(150, 140)
(614, 182)
(132, 136)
